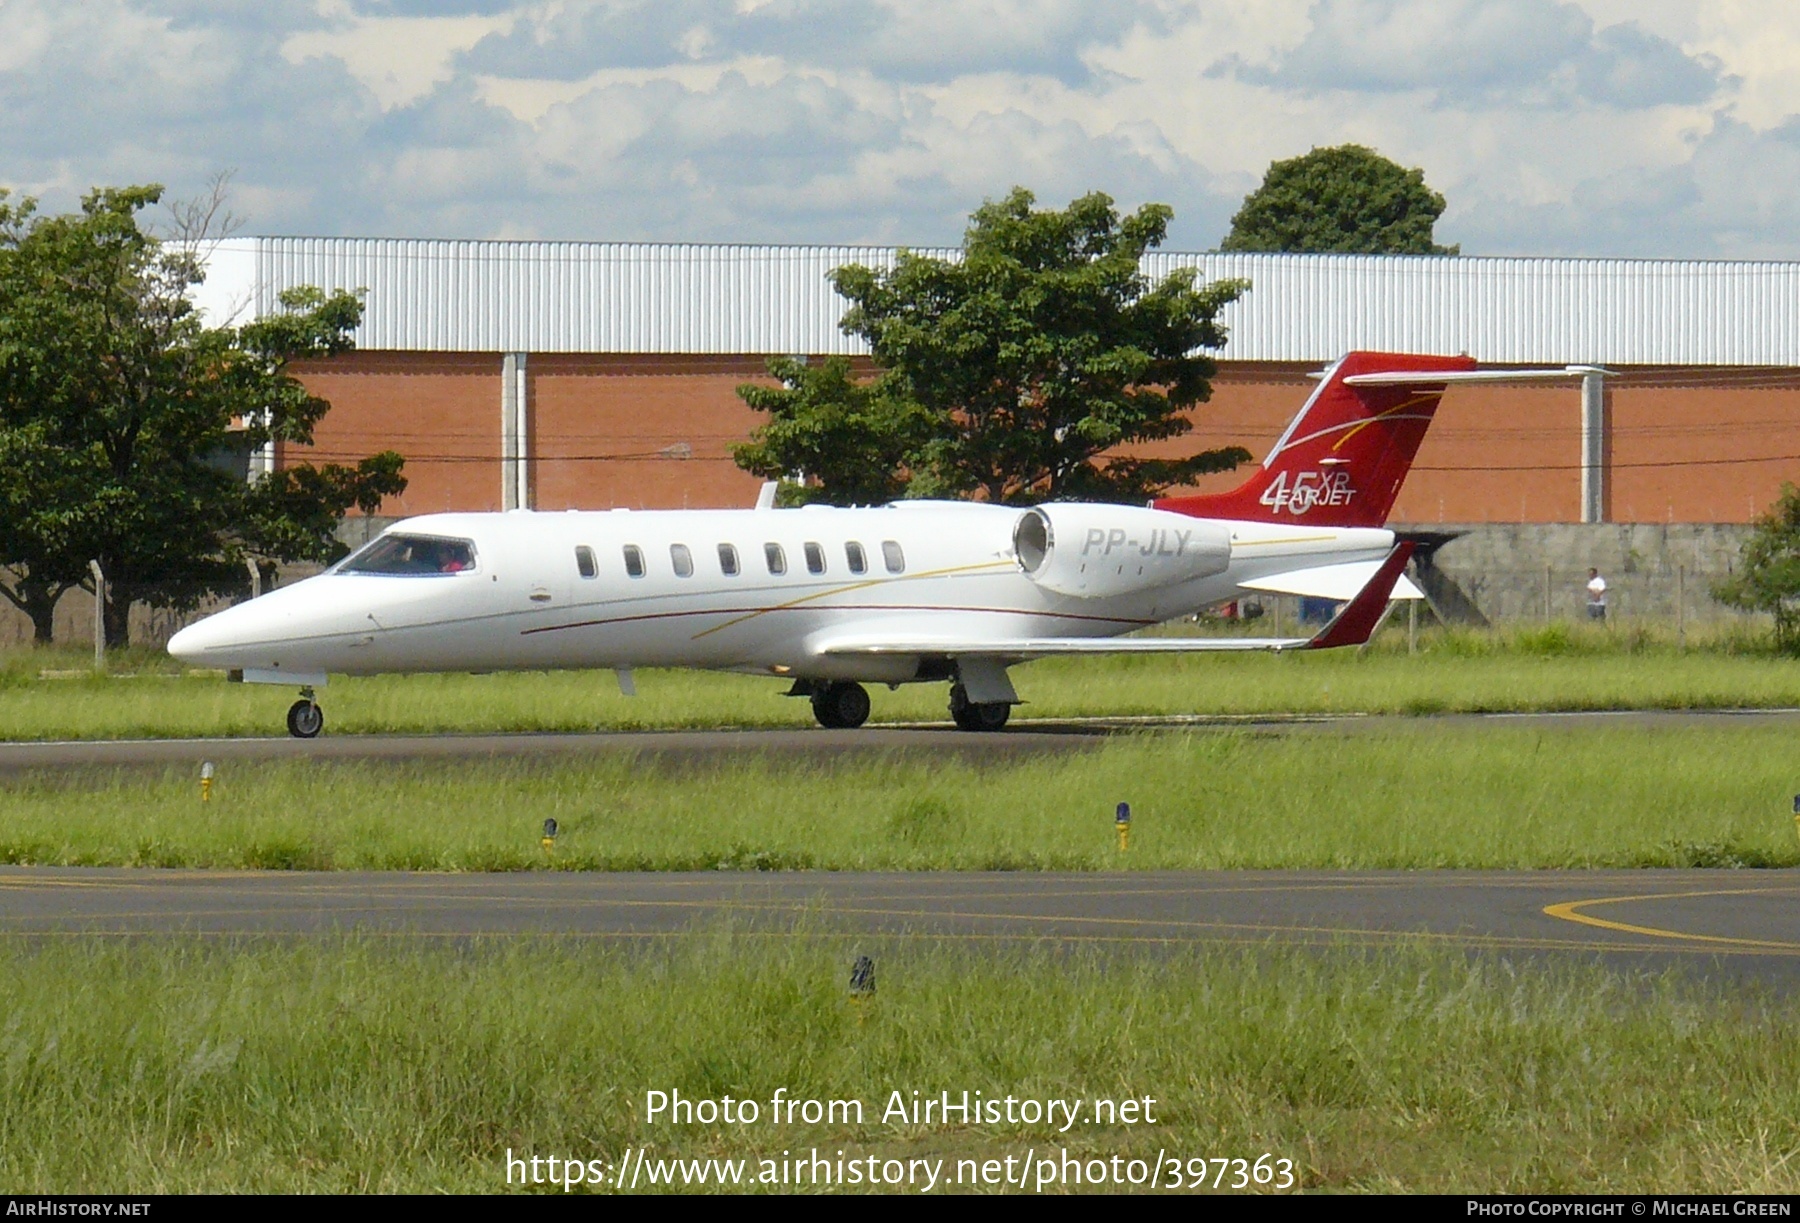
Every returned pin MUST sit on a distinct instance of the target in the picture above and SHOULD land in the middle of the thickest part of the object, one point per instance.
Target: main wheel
(968, 715)
(305, 719)
(841, 706)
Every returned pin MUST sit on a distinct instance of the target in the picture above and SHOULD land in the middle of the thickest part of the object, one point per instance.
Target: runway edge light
(1797, 815)
(206, 780)
(1122, 821)
(549, 838)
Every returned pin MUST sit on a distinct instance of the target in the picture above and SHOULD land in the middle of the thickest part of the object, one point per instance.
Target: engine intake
(1097, 551)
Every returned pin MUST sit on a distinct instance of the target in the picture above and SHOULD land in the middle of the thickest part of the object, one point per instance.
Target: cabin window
(853, 553)
(682, 559)
(896, 559)
(585, 564)
(776, 558)
(634, 561)
(728, 561)
(815, 558)
(412, 556)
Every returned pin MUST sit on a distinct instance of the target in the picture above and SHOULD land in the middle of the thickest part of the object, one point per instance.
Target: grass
(1420, 795)
(359, 1064)
(168, 1066)
(1539, 667)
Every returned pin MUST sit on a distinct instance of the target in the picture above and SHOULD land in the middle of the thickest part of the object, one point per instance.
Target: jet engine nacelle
(1097, 551)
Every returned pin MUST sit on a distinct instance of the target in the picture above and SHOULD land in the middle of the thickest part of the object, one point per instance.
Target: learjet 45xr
(831, 599)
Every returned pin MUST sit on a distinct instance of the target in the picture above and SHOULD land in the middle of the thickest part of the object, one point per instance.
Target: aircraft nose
(197, 642)
(237, 636)
(300, 626)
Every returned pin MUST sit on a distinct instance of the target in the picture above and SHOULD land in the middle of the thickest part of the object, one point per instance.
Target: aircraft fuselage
(749, 590)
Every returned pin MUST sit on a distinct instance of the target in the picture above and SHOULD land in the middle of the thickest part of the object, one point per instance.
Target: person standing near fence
(1596, 595)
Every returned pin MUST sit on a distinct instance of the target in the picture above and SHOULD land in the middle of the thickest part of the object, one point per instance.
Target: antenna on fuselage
(765, 496)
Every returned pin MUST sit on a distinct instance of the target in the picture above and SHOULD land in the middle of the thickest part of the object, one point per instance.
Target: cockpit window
(416, 555)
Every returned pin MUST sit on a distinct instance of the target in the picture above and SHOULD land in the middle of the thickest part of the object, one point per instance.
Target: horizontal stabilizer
(1339, 583)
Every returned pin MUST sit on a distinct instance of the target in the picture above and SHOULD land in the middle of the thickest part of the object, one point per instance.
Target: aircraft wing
(1339, 583)
(1352, 626)
(1043, 647)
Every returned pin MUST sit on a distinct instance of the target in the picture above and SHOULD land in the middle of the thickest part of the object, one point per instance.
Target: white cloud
(398, 59)
(1579, 126)
(1530, 52)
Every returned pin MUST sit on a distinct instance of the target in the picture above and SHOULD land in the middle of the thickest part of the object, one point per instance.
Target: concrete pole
(1593, 446)
(522, 429)
(255, 578)
(262, 459)
(1681, 606)
(99, 615)
(511, 454)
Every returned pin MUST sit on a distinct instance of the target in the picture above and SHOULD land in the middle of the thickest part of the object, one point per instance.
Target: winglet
(1357, 621)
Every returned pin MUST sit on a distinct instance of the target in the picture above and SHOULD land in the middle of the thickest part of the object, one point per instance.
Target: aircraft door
(546, 577)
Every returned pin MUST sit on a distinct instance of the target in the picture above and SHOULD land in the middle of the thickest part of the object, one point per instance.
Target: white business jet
(831, 599)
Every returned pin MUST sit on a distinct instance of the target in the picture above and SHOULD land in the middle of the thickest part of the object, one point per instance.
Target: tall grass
(1555, 667)
(1421, 796)
(177, 1066)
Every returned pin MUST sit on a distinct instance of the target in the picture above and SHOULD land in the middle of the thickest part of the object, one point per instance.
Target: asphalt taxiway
(1741, 925)
(1030, 737)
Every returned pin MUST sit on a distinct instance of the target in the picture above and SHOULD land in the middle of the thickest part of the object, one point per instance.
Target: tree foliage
(1348, 199)
(120, 409)
(831, 438)
(1768, 578)
(1012, 372)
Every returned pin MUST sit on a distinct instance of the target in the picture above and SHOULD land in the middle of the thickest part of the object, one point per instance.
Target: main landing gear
(305, 718)
(845, 706)
(841, 706)
(970, 715)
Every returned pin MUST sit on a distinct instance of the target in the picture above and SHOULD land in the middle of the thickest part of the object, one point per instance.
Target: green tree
(1348, 199)
(1768, 578)
(830, 438)
(118, 407)
(40, 538)
(1012, 372)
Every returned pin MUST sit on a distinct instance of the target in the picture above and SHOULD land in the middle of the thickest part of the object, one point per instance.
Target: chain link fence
(1676, 594)
(151, 625)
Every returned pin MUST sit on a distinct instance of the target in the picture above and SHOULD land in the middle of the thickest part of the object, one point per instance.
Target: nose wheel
(841, 706)
(305, 719)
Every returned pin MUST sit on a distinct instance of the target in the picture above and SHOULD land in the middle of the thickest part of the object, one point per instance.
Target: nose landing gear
(304, 718)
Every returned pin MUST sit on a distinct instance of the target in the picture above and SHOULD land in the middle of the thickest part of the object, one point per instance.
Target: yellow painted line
(427, 890)
(1400, 407)
(1571, 911)
(1232, 939)
(847, 588)
(26, 883)
(1266, 543)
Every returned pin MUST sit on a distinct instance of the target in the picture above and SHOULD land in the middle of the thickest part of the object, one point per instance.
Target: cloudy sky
(1591, 127)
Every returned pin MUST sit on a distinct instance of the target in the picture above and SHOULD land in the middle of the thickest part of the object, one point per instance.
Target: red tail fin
(1342, 459)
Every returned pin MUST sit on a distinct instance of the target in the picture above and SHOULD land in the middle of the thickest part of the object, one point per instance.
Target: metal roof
(625, 297)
